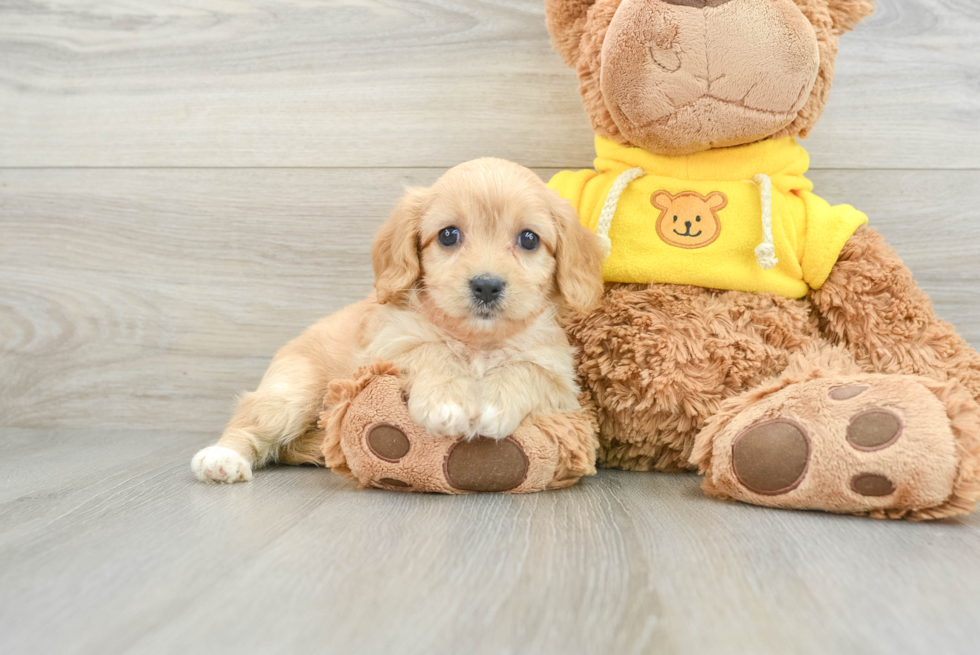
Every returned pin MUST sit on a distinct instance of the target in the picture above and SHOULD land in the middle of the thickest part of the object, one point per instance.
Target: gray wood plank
(142, 299)
(115, 550)
(410, 83)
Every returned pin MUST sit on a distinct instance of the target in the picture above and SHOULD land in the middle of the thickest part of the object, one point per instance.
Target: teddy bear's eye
(698, 219)
(675, 219)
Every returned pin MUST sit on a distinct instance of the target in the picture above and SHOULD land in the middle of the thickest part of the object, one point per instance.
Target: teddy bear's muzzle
(682, 76)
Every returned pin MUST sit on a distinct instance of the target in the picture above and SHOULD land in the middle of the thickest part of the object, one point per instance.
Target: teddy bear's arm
(871, 304)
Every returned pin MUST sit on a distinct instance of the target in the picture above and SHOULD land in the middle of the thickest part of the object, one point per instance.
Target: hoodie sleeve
(827, 230)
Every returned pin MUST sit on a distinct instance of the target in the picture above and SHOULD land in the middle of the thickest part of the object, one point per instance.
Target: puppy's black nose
(487, 289)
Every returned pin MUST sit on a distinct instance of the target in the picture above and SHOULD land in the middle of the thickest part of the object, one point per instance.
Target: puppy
(471, 275)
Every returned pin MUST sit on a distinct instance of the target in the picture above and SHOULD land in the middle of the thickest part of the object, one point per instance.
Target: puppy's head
(488, 246)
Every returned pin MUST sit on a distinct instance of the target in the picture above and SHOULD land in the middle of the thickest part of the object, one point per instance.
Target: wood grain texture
(149, 298)
(118, 550)
(371, 83)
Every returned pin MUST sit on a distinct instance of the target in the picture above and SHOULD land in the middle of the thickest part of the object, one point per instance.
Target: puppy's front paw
(446, 419)
(220, 464)
(497, 424)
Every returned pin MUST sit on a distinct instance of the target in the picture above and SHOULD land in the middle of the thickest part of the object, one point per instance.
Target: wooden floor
(185, 186)
(110, 545)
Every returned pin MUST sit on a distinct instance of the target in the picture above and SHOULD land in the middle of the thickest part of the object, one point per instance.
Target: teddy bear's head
(681, 76)
(688, 219)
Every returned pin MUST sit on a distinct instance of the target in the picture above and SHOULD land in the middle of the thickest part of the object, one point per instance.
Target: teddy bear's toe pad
(848, 392)
(872, 484)
(874, 429)
(866, 444)
(388, 443)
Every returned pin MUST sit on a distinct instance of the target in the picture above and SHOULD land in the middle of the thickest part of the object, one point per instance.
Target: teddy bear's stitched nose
(697, 4)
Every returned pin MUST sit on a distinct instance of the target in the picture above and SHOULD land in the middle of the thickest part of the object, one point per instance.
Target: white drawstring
(609, 208)
(765, 252)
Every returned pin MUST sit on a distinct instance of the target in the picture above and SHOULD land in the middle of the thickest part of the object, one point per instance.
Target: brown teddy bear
(749, 330)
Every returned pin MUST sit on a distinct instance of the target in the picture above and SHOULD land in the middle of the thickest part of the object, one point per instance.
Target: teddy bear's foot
(371, 435)
(382, 459)
(878, 445)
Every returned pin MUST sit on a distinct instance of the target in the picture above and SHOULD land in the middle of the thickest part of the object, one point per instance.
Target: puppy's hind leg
(287, 403)
(284, 407)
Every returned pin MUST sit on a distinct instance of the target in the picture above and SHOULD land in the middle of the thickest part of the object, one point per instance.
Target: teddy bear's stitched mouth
(663, 120)
(688, 233)
(652, 128)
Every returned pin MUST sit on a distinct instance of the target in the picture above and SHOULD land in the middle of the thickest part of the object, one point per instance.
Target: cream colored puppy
(470, 277)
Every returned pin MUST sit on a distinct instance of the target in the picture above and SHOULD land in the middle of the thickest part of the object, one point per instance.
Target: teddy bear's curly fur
(663, 361)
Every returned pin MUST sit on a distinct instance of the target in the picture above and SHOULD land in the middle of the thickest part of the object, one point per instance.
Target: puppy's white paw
(496, 424)
(443, 419)
(220, 464)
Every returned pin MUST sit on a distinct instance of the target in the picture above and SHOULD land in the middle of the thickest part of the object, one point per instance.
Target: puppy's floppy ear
(846, 14)
(578, 255)
(395, 251)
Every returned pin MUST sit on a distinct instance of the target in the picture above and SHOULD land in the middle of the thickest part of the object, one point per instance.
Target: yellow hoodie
(704, 219)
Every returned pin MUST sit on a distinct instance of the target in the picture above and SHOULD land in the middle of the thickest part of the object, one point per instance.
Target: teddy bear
(749, 330)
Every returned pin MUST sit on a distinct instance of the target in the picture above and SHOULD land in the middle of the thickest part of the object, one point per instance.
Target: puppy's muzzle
(487, 291)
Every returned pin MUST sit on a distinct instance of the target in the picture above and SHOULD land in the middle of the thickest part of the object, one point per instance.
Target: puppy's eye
(449, 236)
(528, 240)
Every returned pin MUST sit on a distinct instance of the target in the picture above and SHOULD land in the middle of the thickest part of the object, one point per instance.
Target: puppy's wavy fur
(468, 369)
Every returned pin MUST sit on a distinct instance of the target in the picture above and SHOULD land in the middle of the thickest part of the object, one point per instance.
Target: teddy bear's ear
(846, 14)
(661, 199)
(717, 200)
(566, 23)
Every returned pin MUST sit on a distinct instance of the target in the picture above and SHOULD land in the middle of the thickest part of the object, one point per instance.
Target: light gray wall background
(185, 186)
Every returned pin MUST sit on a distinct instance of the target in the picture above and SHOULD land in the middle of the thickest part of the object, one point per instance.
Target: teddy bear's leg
(871, 305)
(823, 436)
(658, 360)
(623, 358)
(370, 434)
(576, 436)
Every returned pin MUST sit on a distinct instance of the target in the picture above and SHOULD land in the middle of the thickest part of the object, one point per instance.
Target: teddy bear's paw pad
(484, 464)
(771, 457)
(867, 444)
(874, 429)
(388, 443)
